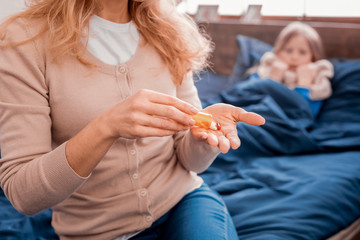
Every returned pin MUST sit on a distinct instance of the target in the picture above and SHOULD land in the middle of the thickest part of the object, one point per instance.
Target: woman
(95, 121)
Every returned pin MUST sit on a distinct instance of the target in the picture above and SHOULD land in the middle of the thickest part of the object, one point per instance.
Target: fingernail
(192, 122)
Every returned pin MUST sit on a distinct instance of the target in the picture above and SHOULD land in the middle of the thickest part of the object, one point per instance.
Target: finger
(224, 144)
(140, 118)
(164, 99)
(199, 134)
(145, 131)
(169, 112)
(212, 140)
(249, 117)
(165, 123)
(233, 139)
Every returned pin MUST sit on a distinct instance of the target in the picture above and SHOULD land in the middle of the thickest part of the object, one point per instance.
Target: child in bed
(298, 62)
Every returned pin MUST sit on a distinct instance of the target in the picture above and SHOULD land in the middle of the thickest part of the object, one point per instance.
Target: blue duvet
(296, 177)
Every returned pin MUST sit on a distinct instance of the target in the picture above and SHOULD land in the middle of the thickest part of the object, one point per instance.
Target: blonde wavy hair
(180, 43)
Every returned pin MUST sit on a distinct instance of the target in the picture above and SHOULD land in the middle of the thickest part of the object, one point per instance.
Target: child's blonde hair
(305, 30)
(175, 36)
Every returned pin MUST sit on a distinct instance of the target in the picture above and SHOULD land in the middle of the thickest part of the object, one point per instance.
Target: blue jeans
(201, 214)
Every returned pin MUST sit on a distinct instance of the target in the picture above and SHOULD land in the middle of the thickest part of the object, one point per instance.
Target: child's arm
(321, 87)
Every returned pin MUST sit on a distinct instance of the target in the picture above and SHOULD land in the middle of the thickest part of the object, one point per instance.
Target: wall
(340, 39)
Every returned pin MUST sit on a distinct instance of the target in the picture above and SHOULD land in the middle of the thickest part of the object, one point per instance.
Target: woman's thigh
(201, 214)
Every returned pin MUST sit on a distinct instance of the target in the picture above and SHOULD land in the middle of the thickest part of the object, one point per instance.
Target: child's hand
(306, 75)
(227, 115)
(278, 69)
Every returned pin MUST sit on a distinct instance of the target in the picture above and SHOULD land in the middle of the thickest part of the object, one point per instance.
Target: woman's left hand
(227, 115)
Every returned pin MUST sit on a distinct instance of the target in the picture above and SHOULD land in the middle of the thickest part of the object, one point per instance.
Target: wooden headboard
(340, 39)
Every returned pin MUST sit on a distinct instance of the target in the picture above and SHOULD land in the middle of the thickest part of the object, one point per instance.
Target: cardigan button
(143, 193)
(149, 218)
(122, 69)
(135, 176)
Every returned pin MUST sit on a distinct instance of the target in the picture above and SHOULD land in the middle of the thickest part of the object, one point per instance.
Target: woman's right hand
(144, 114)
(148, 113)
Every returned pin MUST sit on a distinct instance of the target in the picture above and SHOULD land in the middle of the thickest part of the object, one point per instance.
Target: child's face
(296, 52)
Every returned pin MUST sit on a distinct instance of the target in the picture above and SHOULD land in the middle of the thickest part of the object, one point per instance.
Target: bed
(296, 177)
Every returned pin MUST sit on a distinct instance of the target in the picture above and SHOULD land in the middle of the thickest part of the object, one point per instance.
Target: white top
(112, 43)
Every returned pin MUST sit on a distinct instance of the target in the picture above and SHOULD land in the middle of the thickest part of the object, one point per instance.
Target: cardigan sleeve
(194, 155)
(33, 175)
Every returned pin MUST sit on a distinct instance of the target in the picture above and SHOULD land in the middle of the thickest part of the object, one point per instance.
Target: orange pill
(205, 120)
